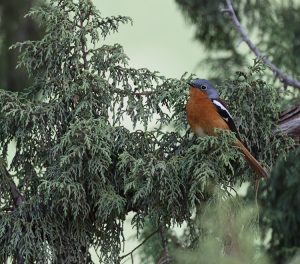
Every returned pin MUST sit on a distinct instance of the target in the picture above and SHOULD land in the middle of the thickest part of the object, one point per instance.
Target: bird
(206, 112)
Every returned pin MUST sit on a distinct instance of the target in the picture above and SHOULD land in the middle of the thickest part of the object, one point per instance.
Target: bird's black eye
(203, 87)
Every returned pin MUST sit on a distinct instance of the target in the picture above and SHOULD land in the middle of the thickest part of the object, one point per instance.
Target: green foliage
(72, 155)
(228, 234)
(215, 32)
(80, 172)
(212, 24)
(255, 106)
(152, 250)
(271, 25)
(256, 109)
(280, 204)
(281, 43)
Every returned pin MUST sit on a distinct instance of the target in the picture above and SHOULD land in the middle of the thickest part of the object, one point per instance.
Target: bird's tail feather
(254, 164)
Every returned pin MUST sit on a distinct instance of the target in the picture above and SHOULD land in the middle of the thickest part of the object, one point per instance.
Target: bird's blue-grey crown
(205, 86)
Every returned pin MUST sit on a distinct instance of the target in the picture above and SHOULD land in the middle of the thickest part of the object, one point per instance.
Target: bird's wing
(224, 113)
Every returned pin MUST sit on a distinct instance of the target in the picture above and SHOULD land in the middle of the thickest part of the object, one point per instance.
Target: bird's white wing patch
(219, 104)
(227, 117)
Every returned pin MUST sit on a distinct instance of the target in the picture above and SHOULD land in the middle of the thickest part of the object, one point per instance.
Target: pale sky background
(161, 40)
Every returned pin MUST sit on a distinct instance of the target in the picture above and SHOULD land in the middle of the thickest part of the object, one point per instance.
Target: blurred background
(174, 37)
(159, 39)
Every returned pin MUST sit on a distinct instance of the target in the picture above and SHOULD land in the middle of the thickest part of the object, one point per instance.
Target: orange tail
(254, 164)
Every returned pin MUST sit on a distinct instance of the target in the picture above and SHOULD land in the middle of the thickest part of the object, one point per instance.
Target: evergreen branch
(138, 246)
(83, 41)
(284, 78)
(123, 92)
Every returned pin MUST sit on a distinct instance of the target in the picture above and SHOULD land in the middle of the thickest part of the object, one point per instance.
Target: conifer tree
(280, 204)
(77, 172)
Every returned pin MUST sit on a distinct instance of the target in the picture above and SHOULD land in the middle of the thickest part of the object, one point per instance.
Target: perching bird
(205, 112)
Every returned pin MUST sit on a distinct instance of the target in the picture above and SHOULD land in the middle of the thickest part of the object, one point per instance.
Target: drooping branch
(15, 194)
(123, 92)
(138, 246)
(284, 78)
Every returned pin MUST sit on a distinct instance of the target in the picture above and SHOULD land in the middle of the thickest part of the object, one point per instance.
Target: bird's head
(206, 87)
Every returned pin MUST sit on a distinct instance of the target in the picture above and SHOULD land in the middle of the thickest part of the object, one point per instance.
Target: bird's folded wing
(225, 114)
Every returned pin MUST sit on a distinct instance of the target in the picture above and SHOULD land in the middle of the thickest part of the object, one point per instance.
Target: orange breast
(202, 114)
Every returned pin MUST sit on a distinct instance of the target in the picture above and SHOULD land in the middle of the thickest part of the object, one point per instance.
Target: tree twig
(83, 40)
(124, 92)
(16, 195)
(138, 246)
(165, 258)
(284, 78)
